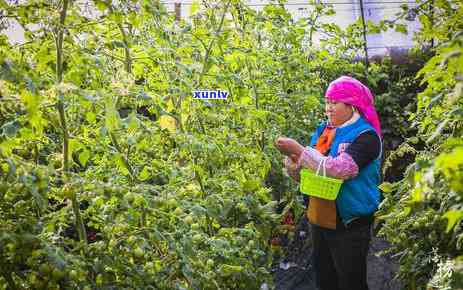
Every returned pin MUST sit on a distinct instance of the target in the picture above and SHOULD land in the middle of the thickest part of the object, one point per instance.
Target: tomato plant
(425, 207)
(113, 176)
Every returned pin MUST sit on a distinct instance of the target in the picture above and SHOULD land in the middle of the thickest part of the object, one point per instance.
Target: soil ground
(294, 271)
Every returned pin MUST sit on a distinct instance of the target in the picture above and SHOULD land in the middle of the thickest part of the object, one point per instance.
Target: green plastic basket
(321, 186)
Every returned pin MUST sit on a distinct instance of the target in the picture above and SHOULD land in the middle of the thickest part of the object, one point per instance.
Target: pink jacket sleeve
(341, 166)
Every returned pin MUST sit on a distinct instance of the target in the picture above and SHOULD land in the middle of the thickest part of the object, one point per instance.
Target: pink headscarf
(352, 92)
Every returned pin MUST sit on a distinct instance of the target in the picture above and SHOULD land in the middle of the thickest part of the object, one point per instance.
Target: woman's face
(337, 112)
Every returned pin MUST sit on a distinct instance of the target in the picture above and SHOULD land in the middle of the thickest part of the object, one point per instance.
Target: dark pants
(340, 256)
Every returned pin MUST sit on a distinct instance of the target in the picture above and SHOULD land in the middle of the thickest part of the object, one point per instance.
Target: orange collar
(325, 140)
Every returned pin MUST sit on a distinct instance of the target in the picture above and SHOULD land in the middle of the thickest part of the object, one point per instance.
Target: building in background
(347, 12)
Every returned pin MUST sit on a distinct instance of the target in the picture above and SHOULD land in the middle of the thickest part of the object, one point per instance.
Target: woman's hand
(290, 163)
(289, 147)
(292, 167)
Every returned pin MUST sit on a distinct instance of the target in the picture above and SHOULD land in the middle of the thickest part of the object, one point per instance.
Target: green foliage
(113, 176)
(425, 207)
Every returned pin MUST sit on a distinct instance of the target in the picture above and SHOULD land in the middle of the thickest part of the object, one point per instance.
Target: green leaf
(90, 117)
(74, 145)
(167, 122)
(133, 123)
(134, 19)
(32, 103)
(453, 217)
(417, 194)
(438, 131)
(386, 187)
(7, 146)
(144, 174)
(372, 27)
(113, 120)
(120, 164)
(116, 16)
(401, 28)
(84, 156)
(118, 43)
(231, 269)
(11, 167)
(11, 128)
(194, 7)
(250, 185)
(101, 5)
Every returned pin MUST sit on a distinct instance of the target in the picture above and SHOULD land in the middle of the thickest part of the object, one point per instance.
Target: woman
(350, 143)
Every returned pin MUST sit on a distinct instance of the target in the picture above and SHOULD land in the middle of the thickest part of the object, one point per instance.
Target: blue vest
(360, 195)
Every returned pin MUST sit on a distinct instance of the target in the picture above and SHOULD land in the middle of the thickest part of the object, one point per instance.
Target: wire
(352, 9)
(358, 9)
(390, 46)
(309, 4)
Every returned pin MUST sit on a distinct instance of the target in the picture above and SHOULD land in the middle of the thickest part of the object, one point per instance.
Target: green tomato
(241, 206)
(131, 239)
(57, 162)
(33, 278)
(251, 244)
(68, 191)
(112, 243)
(195, 226)
(73, 275)
(45, 269)
(129, 197)
(11, 247)
(57, 274)
(210, 263)
(99, 280)
(3, 188)
(403, 236)
(414, 140)
(82, 276)
(178, 211)
(188, 220)
(138, 252)
(172, 203)
(197, 238)
(149, 266)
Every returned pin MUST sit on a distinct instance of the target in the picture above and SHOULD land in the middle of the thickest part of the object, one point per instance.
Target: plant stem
(209, 48)
(128, 58)
(143, 217)
(59, 42)
(198, 179)
(62, 116)
(125, 40)
(36, 154)
(124, 159)
(79, 221)
(59, 79)
(254, 89)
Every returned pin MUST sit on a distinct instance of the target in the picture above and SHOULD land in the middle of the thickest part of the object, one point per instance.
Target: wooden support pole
(178, 11)
(365, 43)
